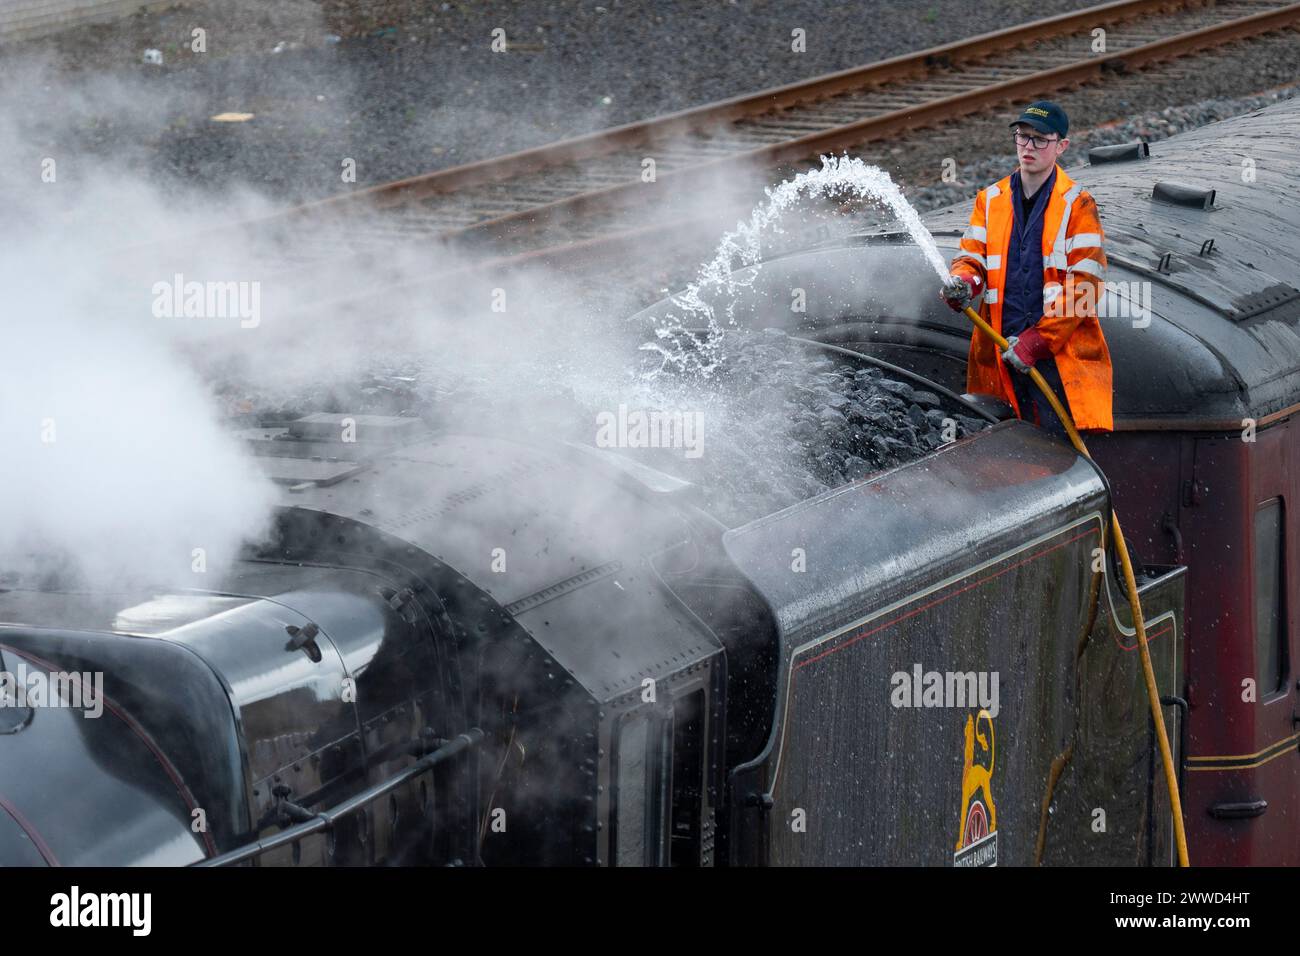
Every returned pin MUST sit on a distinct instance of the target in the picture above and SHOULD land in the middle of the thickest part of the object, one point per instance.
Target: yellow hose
(1153, 693)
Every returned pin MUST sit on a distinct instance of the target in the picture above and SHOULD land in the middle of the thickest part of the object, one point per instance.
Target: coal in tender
(782, 421)
(786, 421)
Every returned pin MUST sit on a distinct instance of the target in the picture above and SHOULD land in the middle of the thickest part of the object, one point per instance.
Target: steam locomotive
(464, 649)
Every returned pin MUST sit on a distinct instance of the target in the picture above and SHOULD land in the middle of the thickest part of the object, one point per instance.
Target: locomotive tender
(465, 649)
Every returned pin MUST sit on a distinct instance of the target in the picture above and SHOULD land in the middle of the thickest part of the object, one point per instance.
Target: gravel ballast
(412, 87)
(398, 89)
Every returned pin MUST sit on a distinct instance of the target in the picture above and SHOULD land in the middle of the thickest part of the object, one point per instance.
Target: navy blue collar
(1037, 204)
(1046, 188)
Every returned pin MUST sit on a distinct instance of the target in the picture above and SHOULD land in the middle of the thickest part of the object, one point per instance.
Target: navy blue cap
(1046, 117)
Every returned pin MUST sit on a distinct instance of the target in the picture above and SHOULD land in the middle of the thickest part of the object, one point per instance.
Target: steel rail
(712, 115)
(926, 114)
(513, 234)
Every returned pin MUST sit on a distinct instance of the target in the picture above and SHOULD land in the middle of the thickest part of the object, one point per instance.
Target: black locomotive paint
(372, 630)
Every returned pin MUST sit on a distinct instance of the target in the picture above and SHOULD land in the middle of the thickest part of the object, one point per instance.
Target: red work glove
(1027, 348)
(959, 290)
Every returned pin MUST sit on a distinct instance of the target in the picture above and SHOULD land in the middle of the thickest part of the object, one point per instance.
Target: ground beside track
(414, 86)
(981, 159)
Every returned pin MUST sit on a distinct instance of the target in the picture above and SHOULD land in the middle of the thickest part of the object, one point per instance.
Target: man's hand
(1027, 349)
(959, 290)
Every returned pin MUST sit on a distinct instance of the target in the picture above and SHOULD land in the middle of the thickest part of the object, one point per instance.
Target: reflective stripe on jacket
(1074, 268)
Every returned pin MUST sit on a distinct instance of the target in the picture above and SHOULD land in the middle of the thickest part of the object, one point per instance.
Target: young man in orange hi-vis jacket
(1034, 249)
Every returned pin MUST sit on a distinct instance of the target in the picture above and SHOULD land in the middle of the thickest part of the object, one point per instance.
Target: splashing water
(841, 177)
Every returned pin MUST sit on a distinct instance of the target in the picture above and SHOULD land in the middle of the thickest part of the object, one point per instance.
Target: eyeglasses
(1040, 142)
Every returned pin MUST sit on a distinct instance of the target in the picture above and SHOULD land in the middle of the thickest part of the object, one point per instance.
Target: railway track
(588, 195)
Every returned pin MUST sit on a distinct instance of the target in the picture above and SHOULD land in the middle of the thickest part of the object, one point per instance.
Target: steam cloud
(117, 458)
(113, 465)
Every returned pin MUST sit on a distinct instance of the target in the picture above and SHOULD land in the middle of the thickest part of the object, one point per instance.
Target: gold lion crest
(977, 843)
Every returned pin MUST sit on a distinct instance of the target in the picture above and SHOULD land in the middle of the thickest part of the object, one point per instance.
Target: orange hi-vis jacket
(1074, 268)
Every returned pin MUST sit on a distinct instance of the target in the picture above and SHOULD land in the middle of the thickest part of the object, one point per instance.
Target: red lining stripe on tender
(32, 833)
(923, 607)
(171, 771)
(1150, 637)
